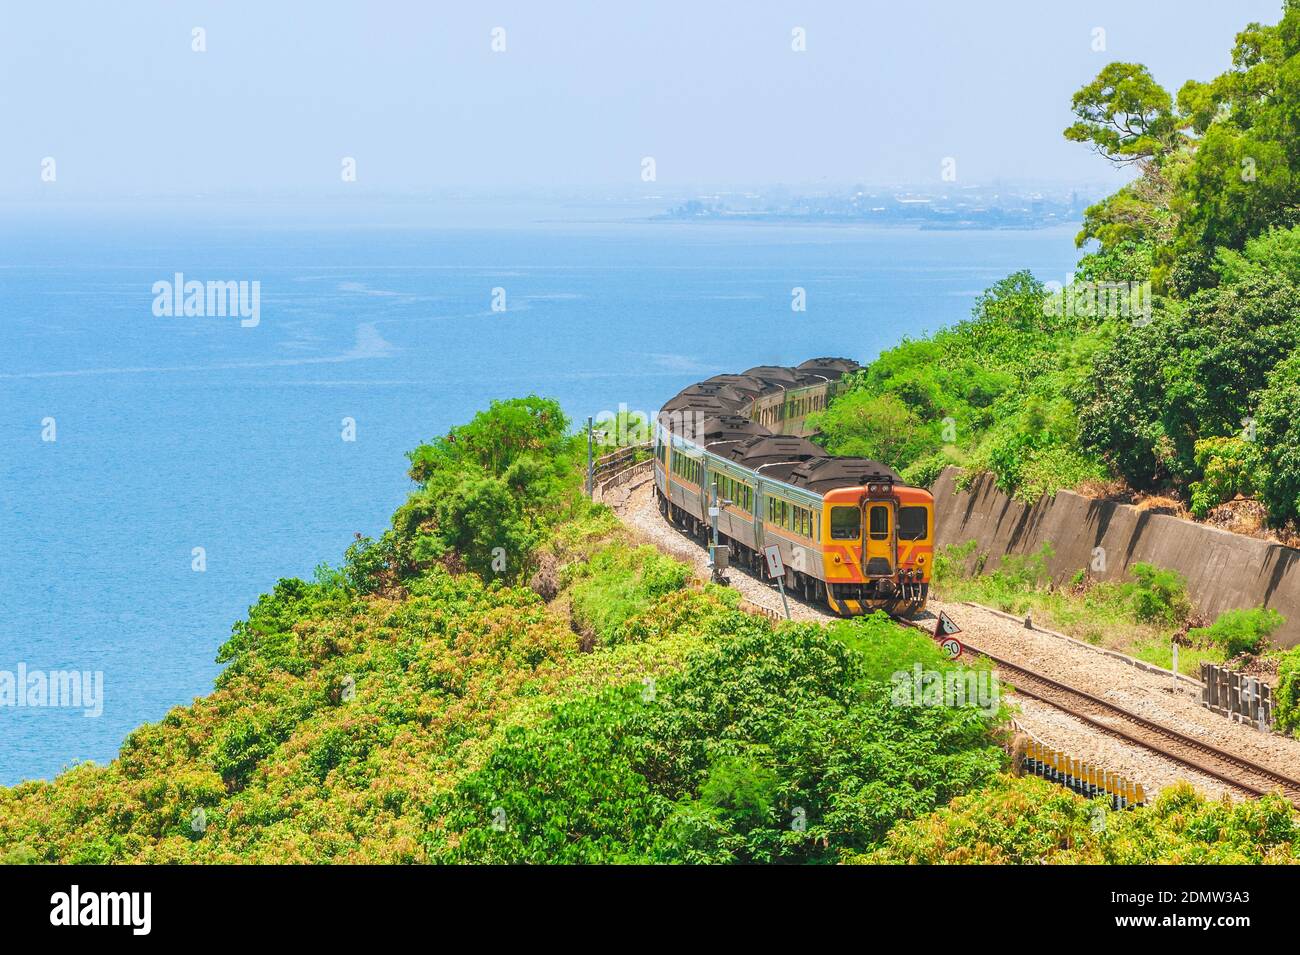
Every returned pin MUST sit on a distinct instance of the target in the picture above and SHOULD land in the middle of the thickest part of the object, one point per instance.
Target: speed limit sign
(951, 647)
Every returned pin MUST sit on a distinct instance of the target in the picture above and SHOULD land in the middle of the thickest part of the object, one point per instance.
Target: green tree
(1126, 115)
(1226, 466)
(1194, 372)
(1277, 437)
(880, 427)
(490, 489)
(1129, 119)
(1218, 165)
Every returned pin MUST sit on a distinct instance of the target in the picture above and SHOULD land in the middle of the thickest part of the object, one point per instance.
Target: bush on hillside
(1029, 821)
(1226, 466)
(1278, 441)
(1160, 595)
(1241, 631)
(615, 584)
(1287, 692)
(774, 745)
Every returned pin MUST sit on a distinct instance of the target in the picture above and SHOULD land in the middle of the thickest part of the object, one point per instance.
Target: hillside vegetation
(1029, 821)
(503, 676)
(1168, 364)
(579, 703)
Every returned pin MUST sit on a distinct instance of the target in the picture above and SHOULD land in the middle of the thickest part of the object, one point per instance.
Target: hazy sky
(712, 90)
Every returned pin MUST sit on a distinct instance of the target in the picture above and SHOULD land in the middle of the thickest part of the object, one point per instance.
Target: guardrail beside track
(620, 477)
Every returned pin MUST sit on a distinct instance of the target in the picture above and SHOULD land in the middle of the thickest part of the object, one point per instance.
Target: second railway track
(1233, 771)
(1240, 773)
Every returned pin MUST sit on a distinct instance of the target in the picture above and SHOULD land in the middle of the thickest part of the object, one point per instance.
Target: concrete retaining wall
(1223, 570)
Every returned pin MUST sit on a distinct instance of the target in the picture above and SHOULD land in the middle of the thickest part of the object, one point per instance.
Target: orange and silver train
(851, 534)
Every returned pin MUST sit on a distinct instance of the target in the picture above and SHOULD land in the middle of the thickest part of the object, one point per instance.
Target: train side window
(879, 529)
(913, 524)
(846, 523)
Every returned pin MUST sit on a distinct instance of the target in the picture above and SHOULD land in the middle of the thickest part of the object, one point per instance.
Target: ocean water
(173, 433)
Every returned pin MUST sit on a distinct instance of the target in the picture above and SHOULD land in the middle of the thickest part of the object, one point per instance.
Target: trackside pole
(780, 582)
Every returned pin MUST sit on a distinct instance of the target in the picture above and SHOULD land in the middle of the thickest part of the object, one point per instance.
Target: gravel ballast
(1079, 665)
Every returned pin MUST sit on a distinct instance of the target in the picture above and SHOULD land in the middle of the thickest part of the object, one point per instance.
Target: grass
(1138, 616)
(1161, 654)
(615, 584)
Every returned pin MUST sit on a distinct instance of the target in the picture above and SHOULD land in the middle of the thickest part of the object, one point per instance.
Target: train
(851, 534)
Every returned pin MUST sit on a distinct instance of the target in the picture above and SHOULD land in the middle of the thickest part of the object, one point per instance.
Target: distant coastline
(948, 210)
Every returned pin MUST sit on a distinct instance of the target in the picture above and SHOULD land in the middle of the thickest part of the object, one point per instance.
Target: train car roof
(770, 448)
(707, 405)
(731, 429)
(830, 367)
(717, 389)
(745, 383)
(773, 373)
(825, 473)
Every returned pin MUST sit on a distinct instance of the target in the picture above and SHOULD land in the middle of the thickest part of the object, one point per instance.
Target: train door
(878, 542)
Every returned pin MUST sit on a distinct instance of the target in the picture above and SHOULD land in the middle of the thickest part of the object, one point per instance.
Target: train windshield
(846, 523)
(913, 523)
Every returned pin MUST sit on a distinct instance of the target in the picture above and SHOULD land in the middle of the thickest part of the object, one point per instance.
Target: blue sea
(173, 433)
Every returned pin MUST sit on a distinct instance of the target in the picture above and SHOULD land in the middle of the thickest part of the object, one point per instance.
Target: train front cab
(877, 548)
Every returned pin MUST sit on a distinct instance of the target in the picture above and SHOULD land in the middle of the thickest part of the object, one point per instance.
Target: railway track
(1238, 772)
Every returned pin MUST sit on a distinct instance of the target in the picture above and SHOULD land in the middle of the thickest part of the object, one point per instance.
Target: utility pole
(591, 473)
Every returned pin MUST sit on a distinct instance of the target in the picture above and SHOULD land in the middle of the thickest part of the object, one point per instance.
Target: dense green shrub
(1160, 595)
(1241, 631)
(989, 394)
(567, 792)
(1026, 571)
(878, 426)
(1030, 821)
(775, 744)
(924, 471)
(1276, 251)
(1226, 466)
(1287, 692)
(1194, 372)
(950, 563)
(1278, 441)
(491, 489)
(618, 582)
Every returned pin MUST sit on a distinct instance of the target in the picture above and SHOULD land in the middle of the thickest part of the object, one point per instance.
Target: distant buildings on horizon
(966, 207)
